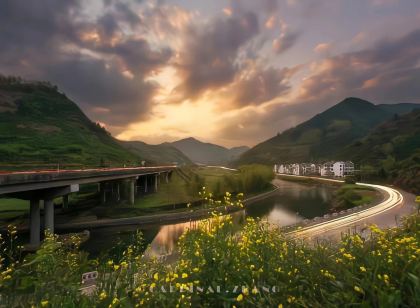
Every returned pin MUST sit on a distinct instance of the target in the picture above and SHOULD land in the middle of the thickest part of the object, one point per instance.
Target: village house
(331, 169)
(327, 169)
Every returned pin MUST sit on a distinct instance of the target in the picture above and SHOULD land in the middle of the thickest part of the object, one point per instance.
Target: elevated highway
(46, 185)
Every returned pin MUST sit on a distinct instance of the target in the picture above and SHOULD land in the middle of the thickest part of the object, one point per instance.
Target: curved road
(386, 214)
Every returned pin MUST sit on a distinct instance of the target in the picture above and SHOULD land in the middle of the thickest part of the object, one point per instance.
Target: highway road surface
(386, 214)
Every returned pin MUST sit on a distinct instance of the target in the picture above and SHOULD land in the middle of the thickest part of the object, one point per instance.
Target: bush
(250, 179)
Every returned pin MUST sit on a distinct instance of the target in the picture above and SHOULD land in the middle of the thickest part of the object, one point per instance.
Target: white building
(327, 169)
(337, 169)
(342, 168)
(297, 169)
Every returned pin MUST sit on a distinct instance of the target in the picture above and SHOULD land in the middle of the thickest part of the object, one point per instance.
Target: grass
(176, 191)
(351, 195)
(7, 204)
(173, 192)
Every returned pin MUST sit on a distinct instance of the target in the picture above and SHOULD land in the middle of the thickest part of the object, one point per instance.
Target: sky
(231, 72)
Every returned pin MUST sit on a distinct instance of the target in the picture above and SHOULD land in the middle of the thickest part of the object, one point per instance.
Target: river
(292, 203)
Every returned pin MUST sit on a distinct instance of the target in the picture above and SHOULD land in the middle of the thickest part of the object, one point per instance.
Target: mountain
(207, 153)
(325, 134)
(393, 149)
(39, 126)
(162, 153)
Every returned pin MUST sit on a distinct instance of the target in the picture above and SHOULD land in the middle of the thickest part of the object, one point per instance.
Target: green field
(178, 190)
(351, 195)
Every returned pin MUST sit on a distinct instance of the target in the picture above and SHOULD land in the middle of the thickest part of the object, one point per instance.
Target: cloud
(98, 84)
(209, 53)
(322, 47)
(285, 40)
(388, 72)
(259, 85)
(102, 63)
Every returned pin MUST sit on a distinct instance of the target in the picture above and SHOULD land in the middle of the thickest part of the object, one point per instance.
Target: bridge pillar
(117, 191)
(65, 201)
(49, 215)
(35, 223)
(167, 177)
(102, 192)
(131, 191)
(156, 182)
(145, 184)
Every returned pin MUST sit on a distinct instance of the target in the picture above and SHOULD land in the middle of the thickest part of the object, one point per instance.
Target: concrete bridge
(114, 184)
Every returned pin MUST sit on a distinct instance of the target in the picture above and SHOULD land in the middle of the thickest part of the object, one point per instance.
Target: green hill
(392, 149)
(41, 127)
(325, 134)
(207, 153)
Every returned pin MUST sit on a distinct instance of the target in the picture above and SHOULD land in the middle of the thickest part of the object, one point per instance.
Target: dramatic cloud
(367, 73)
(389, 72)
(233, 72)
(257, 85)
(208, 57)
(94, 62)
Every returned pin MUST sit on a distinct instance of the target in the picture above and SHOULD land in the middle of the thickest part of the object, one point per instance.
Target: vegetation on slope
(391, 151)
(39, 126)
(321, 137)
(254, 266)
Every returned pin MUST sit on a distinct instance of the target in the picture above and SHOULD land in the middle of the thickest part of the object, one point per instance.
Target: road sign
(89, 283)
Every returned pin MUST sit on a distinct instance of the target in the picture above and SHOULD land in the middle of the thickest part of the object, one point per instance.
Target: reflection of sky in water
(168, 235)
(283, 217)
(293, 203)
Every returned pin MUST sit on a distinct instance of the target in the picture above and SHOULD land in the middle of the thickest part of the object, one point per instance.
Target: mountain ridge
(205, 152)
(321, 136)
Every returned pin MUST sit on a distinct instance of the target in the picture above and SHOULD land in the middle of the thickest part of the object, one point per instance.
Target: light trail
(394, 198)
(84, 170)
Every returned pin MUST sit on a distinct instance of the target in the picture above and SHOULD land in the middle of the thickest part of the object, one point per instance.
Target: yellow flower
(245, 291)
(348, 256)
(358, 289)
(44, 303)
(184, 275)
(240, 297)
(116, 267)
(363, 269)
(280, 306)
(291, 299)
(102, 296)
(156, 276)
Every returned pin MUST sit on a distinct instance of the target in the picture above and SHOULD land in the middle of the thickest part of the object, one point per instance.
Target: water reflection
(292, 203)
